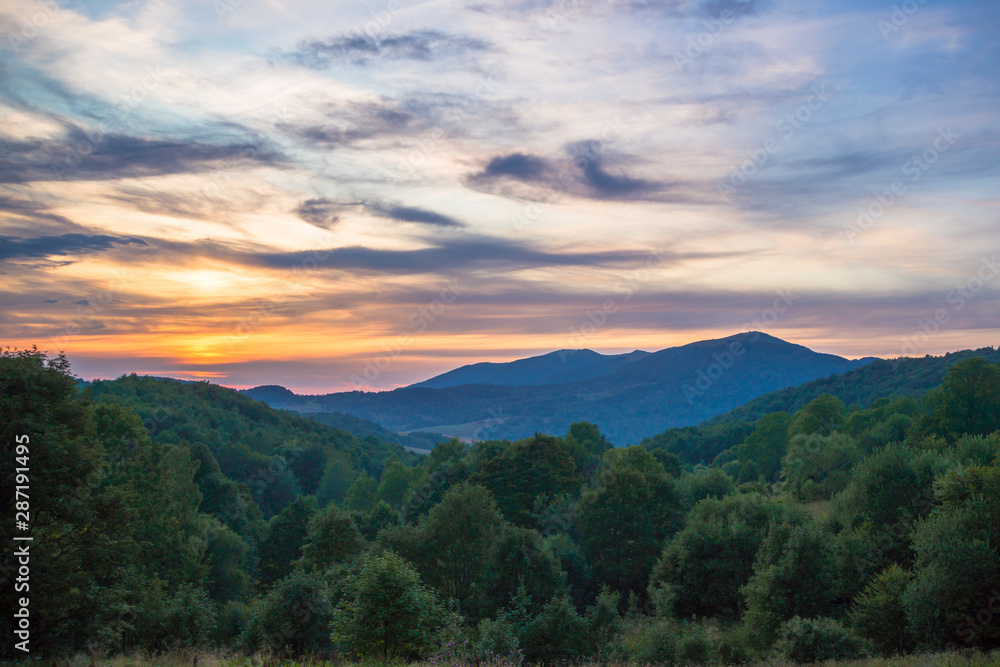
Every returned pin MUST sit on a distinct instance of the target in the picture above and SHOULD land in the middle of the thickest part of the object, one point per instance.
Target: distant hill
(640, 397)
(552, 368)
(281, 398)
(905, 376)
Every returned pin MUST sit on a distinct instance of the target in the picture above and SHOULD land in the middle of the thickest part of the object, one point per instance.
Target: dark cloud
(83, 157)
(320, 212)
(325, 213)
(413, 214)
(614, 187)
(517, 165)
(360, 48)
(346, 124)
(66, 244)
(35, 211)
(584, 173)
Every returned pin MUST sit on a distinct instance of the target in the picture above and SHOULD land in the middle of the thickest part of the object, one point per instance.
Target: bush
(805, 640)
(557, 634)
(649, 643)
(878, 614)
(294, 615)
(496, 637)
(694, 646)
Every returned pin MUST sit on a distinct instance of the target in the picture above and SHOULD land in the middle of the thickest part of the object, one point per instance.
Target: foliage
(806, 640)
(389, 612)
(879, 616)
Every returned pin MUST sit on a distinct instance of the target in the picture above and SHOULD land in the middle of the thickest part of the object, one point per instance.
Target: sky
(331, 195)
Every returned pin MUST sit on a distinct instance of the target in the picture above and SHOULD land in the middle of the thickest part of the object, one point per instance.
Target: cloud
(325, 213)
(516, 165)
(79, 156)
(413, 214)
(320, 212)
(361, 49)
(582, 174)
(42, 247)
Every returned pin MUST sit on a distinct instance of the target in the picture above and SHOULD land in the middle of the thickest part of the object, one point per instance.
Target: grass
(212, 658)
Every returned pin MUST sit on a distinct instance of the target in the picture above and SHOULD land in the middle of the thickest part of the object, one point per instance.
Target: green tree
(394, 483)
(809, 640)
(704, 566)
(338, 476)
(970, 402)
(332, 538)
(957, 570)
(361, 494)
(878, 614)
(817, 466)
(626, 518)
(284, 539)
(557, 635)
(821, 416)
(388, 612)
(295, 616)
(526, 470)
(793, 576)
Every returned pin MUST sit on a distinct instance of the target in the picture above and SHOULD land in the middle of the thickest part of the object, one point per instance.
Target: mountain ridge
(676, 386)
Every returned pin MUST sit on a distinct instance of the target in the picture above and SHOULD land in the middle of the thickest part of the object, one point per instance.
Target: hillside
(277, 453)
(677, 386)
(861, 386)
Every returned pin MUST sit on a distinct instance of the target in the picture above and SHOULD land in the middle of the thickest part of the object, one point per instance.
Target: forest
(170, 515)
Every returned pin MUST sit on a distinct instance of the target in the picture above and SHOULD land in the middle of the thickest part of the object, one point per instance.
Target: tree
(810, 640)
(557, 635)
(823, 415)
(957, 570)
(526, 470)
(295, 615)
(817, 466)
(705, 483)
(878, 614)
(762, 451)
(704, 566)
(284, 539)
(793, 576)
(394, 483)
(337, 479)
(970, 402)
(627, 516)
(361, 494)
(388, 612)
(589, 437)
(332, 538)
(518, 557)
(455, 540)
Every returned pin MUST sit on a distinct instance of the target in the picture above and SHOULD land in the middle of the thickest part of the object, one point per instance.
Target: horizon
(283, 192)
(312, 391)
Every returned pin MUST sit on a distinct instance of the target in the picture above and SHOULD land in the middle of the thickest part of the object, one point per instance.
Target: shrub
(649, 643)
(694, 646)
(805, 640)
(295, 614)
(878, 614)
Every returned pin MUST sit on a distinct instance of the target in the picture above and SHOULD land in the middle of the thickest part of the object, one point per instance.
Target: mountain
(552, 368)
(628, 396)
